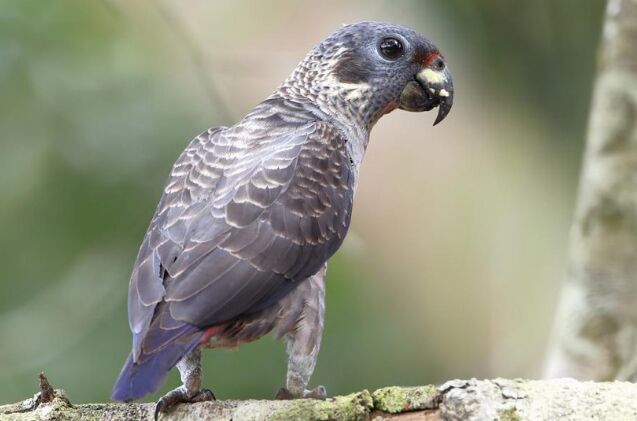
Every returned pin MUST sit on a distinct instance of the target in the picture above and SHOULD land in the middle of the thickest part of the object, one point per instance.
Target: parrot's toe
(204, 395)
(318, 392)
(283, 394)
(180, 395)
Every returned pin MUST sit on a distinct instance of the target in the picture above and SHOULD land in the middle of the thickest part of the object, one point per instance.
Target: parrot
(250, 214)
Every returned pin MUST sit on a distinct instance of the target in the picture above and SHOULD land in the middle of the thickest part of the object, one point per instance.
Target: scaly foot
(180, 395)
(318, 392)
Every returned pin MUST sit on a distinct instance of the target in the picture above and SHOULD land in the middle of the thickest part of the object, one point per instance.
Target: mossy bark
(596, 325)
(467, 400)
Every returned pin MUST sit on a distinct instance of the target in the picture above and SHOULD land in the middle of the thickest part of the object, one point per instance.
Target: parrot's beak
(431, 88)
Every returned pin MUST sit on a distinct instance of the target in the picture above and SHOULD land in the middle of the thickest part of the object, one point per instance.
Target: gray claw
(177, 396)
(318, 392)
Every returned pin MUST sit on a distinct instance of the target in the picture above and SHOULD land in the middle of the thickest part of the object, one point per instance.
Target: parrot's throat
(321, 79)
(354, 107)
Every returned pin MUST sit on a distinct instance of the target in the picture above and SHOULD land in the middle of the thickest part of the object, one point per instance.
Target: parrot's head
(377, 67)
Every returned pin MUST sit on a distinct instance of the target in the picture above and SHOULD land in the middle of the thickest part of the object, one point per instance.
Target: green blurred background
(457, 248)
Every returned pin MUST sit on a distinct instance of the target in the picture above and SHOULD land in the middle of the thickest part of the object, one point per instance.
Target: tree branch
(472, 400)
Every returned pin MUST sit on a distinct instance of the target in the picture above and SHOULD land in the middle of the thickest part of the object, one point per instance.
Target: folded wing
(247, 213)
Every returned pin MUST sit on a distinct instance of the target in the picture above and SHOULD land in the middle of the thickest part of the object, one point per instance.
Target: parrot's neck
(337, 110)
(349, 106)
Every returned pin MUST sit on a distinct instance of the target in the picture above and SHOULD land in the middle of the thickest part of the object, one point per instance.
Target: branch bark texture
(596, 325)
(467, 400)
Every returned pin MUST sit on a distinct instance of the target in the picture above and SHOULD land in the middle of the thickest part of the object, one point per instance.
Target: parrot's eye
(391, 48)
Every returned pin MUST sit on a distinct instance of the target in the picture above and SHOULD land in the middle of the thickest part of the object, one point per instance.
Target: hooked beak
(430, 88)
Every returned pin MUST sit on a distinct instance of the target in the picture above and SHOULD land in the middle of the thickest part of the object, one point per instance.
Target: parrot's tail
(137, 379)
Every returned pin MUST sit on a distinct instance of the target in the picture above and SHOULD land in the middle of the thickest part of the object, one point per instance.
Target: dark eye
(439, 64)
(391, 48)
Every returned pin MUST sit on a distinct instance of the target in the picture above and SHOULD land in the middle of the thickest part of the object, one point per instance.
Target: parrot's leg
(191, 376)
(304, 342)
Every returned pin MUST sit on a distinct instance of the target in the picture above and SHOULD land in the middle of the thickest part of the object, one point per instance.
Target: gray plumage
(241, 219)
(251, 213)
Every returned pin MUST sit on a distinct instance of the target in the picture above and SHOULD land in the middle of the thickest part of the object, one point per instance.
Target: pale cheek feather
(348, 91)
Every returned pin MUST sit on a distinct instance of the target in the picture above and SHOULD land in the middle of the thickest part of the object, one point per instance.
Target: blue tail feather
(136, 380)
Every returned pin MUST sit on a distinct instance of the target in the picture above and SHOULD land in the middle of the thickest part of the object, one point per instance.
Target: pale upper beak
(431, 88)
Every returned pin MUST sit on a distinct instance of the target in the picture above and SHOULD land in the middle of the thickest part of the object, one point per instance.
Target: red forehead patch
(430, 57)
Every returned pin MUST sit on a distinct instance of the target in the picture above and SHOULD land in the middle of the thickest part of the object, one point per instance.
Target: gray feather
(247, 212)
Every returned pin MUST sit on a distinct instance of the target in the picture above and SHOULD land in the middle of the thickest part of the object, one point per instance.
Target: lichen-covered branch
(596, 326)
(467, 400)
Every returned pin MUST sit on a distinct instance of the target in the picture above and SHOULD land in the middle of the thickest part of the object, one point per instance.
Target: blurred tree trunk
(595, 335)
